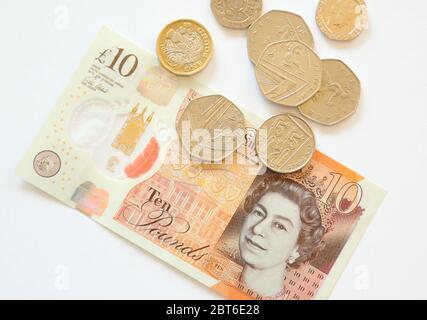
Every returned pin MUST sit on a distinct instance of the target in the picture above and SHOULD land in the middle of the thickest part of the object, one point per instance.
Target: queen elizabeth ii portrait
(282, 229)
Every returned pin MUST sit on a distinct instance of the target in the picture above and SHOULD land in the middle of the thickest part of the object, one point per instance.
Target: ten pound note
(110, 149)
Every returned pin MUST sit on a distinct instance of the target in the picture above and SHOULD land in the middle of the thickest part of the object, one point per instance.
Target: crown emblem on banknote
(316, 185)
(132, 130)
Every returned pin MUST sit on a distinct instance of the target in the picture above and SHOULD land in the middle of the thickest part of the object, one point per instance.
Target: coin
(338, 96)
(276, 25)
(285, 143)
(289, 73)
(47, 164)
(211, 128)
(236, 14)
(184, 47)
(341, 19)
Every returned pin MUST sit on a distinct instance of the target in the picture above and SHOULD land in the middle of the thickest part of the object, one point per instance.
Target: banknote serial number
(214, 309)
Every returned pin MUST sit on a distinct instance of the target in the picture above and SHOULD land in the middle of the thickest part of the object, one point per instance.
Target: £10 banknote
(110, 149)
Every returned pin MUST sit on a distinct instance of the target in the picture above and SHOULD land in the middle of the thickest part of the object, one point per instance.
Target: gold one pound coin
(184, 47)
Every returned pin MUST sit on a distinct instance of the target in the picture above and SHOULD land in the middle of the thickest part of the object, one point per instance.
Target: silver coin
(47, 164)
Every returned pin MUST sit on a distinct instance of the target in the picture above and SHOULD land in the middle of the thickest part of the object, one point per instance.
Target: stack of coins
(291, 74)
(288, 72)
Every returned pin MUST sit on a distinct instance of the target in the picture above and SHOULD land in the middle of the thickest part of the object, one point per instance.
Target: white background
(42, 43)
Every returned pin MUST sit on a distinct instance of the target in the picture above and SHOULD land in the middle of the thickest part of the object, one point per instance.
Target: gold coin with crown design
(184, 47)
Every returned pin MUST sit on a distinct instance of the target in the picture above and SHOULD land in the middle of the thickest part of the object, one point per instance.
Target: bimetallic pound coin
(47, 164)
(184, 47)
(338, 96)
(276, 26)
(285, 143)
(341, 19)
(289, 73)
(236, 14)
(211, 128)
